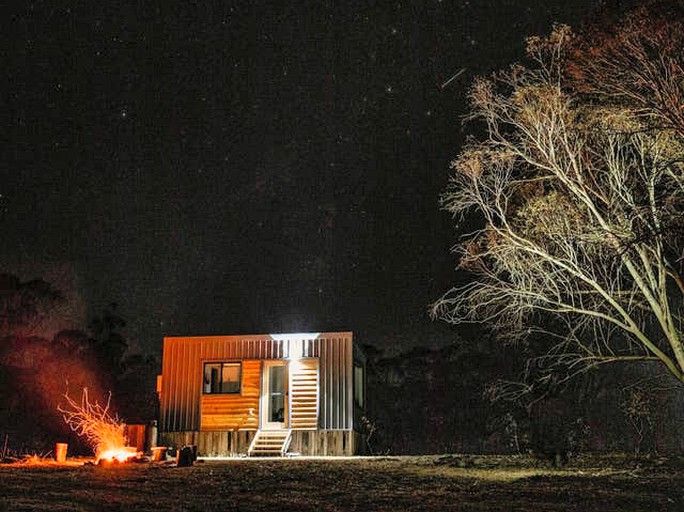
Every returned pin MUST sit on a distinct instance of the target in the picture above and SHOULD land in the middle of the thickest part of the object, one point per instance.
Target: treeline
(37, 370)
(449, 400)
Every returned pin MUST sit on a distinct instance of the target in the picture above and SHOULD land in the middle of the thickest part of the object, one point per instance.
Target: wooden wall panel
(232, 444)
(235, 412)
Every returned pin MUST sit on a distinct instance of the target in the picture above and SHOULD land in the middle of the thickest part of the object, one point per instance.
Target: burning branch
(103, 431)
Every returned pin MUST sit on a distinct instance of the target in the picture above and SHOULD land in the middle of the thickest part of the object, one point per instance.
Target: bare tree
(582, 203)
(637, 63)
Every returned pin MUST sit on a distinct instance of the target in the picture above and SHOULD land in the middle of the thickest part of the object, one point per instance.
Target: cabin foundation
(236, 444)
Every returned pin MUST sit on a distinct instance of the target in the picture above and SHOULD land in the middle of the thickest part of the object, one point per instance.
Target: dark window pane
(358, 385)
(222, 377)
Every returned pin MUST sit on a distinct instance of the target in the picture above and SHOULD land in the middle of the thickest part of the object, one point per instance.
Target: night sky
(246, 167)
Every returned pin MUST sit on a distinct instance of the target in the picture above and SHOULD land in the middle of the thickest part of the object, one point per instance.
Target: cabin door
(274, 396)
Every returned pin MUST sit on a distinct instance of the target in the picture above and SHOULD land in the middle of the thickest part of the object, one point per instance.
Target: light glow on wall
(295, 342)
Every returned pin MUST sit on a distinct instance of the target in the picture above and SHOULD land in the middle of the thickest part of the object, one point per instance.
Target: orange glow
(101, 430)
(118, 454)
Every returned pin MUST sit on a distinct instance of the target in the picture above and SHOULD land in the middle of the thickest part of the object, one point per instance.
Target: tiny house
(271, 394)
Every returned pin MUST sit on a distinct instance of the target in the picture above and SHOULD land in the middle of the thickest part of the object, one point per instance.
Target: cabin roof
(273, 336)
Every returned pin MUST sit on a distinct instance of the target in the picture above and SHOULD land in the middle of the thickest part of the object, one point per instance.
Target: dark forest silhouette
(36, 371)
(419, 401)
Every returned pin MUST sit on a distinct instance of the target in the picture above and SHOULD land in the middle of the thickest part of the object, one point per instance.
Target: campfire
(102, 431)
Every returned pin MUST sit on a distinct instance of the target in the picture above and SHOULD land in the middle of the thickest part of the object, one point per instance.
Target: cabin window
(359, 397)
(222, 378)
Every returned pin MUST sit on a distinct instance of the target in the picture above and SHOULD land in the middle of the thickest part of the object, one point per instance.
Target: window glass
(230, 378)
(221, 378)
(358, 385)
(276, 384)
(211, 377)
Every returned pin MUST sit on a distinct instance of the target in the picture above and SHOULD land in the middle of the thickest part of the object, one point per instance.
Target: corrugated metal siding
(359, 358)
(335, 382)
(182, 374)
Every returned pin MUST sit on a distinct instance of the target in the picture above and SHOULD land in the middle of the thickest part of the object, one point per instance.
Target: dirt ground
(436, 483)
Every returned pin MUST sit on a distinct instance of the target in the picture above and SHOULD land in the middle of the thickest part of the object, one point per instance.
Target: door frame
(264, 424)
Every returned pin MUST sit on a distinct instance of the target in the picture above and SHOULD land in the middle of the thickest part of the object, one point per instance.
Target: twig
(4, 447)
(101, 430)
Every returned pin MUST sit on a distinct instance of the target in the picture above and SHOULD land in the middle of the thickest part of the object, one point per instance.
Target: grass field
(384, 484)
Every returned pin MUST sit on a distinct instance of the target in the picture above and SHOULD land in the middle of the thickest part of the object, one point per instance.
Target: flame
(103, 431)
(121, 454)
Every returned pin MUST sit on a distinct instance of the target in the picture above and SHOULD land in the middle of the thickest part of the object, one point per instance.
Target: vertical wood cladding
(232, 443)
(185, 408)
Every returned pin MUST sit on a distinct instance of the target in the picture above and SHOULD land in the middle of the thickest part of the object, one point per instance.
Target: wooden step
(270, 442)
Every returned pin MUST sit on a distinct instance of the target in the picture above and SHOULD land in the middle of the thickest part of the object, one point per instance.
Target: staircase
(270, 443)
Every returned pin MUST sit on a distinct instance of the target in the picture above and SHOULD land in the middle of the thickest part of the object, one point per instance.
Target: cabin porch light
(295, 350)
(294, 346)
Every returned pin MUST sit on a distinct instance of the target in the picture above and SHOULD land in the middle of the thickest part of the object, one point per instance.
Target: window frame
(221, 365)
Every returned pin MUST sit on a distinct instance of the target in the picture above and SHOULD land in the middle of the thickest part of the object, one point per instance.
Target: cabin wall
(336, 384)
(184, 408)
(359, 358)
(234, 411)
(182, 369)
(324, 442)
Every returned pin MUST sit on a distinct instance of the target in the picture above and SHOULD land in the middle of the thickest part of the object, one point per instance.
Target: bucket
(159, 453)
(151, 435)
(61, 452)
